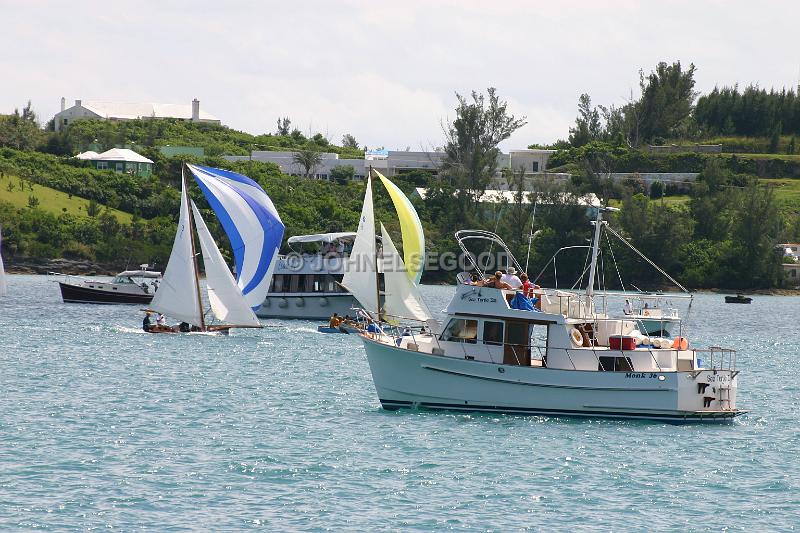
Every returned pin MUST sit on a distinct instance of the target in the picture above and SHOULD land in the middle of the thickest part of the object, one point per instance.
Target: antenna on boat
(598, 224)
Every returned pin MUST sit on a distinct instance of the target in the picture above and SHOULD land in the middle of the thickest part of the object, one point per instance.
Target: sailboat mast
(595, 249)
(194, 253)
(377, 273)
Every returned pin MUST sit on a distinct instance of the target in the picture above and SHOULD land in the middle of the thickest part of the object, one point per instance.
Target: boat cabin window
(277, 283)
(461, 330)
(492, 332)
(615, 364)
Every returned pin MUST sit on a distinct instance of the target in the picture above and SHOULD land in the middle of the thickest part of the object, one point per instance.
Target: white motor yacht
(306, 284)
(565, 359)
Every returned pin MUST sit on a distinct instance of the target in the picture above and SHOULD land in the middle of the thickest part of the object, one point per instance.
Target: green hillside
(19, 193)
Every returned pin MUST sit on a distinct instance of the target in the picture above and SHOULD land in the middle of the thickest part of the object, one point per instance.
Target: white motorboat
(127, 287)
(306, 285)
(654, 315)
(565, 360)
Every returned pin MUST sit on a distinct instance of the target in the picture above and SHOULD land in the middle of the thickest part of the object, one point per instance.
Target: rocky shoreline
(75, 267)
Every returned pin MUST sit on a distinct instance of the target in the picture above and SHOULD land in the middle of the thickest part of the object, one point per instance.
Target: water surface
(103, 426)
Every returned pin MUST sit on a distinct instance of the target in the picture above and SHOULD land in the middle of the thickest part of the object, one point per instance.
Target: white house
(396, 162)
(130, 111)
(119, 160)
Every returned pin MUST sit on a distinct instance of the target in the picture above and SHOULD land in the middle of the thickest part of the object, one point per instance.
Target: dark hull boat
(738, 299)
(105, 295)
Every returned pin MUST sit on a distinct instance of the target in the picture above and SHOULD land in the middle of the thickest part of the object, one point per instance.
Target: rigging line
(616, 266)
(580, 280)
(632, 247)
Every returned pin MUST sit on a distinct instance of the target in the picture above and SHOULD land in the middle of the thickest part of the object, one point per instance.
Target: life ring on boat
(680, 343)
(576, 336)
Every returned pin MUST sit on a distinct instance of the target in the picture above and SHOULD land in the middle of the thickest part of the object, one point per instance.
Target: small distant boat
(328, 329)
(127, 287)
(3, 287)
(255, 231)
(738, 299)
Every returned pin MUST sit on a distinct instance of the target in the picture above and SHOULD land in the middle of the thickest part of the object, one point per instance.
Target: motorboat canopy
(347, 236)
(139, 274)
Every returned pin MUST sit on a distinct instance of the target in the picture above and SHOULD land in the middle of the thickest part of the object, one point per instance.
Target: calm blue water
(102, 426)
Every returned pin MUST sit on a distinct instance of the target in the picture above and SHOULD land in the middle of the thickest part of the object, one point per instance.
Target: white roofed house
(130, 111)
(119, 160)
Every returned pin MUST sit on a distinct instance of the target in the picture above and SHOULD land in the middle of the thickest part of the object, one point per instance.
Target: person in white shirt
(511, 278)
(627, 308)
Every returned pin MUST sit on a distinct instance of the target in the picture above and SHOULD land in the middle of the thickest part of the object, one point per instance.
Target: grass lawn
(786, 190)
(51, 200)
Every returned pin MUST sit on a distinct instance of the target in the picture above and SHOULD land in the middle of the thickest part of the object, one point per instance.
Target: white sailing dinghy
(3, 286)
(255, 231)
(401, 298)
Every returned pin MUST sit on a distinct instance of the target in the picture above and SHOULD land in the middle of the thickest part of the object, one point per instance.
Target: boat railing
(65, 278)
(719, 358)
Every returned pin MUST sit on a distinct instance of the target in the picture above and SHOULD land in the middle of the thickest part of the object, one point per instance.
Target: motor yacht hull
(410, 379)
(108, 295)
(307, 306)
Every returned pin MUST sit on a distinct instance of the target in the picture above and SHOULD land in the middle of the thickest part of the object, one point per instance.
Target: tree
(284, 126)
(667, 97)
(657, 190)
(308, 158)
(348, 141)
(587, 124)
(471, 141)
(775, 138)
(342, 174)
(20, 131)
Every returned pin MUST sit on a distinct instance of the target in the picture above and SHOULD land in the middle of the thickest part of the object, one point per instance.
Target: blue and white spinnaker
(251, 223)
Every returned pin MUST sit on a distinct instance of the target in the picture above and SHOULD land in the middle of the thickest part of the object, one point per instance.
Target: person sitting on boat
(161, 320)
(497, 282)
(474, 279)
(334, 321)
(627, 308)
(147, 323)
(510, 278)
(184, 327)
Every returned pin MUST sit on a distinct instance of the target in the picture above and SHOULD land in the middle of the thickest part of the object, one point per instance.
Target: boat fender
(576, 336)
(283, 303)
(267, 302)
(680, 343)
(323, 302)
(300, 302)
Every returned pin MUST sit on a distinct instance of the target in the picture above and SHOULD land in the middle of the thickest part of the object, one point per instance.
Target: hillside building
(119, 160)
(394, 162)
(130, 111)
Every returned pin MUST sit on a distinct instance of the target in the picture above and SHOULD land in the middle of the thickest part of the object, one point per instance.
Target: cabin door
(516, 350)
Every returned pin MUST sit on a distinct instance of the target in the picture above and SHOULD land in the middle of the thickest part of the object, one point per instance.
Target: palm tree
(308, 158)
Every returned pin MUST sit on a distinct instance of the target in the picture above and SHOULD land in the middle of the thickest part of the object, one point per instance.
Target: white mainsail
(361, 279)
(402, 298)
(3, 287)
(224, 295)
(177, 295)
